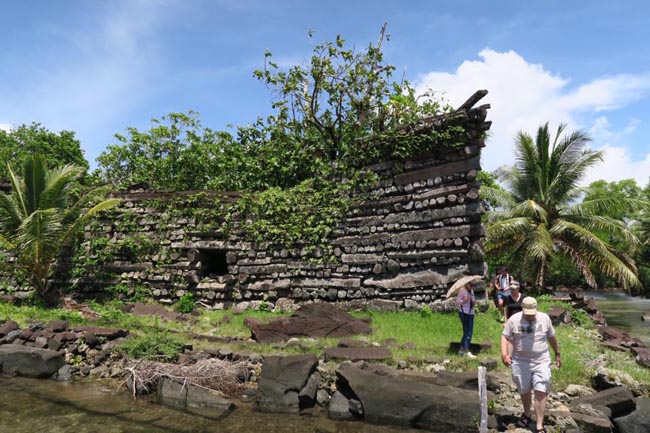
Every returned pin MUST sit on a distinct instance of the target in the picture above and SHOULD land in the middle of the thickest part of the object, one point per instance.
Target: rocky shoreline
(347, 383)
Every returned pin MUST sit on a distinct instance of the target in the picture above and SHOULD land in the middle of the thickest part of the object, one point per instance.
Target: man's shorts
(528, 376)
(503, 294)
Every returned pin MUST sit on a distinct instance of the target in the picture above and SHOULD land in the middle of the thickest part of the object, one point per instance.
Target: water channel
(46, 406)
(626, 313)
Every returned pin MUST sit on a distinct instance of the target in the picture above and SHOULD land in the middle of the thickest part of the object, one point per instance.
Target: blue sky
(96, 67)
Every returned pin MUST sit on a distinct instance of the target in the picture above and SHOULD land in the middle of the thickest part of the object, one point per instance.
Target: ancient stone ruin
(417, 232)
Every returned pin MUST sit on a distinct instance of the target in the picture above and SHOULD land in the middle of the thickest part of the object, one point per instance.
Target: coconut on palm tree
(539, 214)
(41, 215)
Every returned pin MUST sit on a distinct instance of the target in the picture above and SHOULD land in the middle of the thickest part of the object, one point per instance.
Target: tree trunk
(541, 275)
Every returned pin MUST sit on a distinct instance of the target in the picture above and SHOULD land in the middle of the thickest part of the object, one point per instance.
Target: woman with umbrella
(466, 302)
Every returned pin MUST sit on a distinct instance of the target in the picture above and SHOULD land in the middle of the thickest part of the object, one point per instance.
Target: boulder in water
(27, 361)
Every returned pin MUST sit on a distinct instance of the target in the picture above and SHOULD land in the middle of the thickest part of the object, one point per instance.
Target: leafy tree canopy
(341, 108)
(56, 149)
(624, 189)
(176, 153)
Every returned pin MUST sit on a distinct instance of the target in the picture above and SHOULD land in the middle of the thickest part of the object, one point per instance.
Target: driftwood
(214, 374)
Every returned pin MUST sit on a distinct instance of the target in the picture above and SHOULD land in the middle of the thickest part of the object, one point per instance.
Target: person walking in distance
(466, 302)
(524, 346)
(513, 302)
(502, 283)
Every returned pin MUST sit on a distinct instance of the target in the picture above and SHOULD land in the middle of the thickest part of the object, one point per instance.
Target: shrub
(185, 304)
(155, 346)
(425, 311)
(581, 318)
(129, 292)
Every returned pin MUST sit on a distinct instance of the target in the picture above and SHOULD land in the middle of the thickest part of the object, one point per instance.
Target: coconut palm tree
(41, 215)
(540, 215)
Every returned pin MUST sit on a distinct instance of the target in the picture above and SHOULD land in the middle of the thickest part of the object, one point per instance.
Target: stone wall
(420, 231)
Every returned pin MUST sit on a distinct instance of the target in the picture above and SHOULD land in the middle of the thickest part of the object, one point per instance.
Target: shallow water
(45, 406)
(625, 312)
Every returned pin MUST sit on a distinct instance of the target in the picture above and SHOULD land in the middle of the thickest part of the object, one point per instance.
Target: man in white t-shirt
(524, 346)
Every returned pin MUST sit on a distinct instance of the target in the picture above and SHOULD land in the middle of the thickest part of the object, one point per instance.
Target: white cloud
(618, 164)
(525, 95)
(6, 127)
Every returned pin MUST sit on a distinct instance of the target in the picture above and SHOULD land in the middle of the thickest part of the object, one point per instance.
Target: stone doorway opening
(213, 263)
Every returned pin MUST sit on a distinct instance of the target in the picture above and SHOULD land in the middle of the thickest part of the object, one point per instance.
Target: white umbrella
(461, 282)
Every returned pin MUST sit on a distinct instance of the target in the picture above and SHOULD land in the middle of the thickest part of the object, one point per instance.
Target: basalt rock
(357, 354)
(387, 400)
(637, 421)
(7, 327)
(642, 355)
(282, 381)
(194, 399)
(312, 320)
(29, 361)
(619, 400)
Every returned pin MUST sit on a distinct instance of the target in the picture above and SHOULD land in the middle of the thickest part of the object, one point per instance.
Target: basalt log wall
(420, 232)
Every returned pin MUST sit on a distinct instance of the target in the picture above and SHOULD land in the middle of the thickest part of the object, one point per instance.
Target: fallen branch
(213, 374)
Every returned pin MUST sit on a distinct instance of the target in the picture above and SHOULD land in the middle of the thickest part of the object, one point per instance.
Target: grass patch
(24, 315)
(154, 346)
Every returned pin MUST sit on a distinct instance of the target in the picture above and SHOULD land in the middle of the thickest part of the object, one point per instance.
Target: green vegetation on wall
(304, 215)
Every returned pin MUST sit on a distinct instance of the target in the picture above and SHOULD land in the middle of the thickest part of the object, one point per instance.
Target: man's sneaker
(470, 355)
(462, 352)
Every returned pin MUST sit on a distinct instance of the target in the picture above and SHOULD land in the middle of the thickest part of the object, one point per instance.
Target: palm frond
(58, 182)
(493, 216)
(9, 214)
(608, 225)
(498, 196)
(18, 191)
(508, 229)
(34, 173)
(570, 174)
(89, 197)
(531, 209)
(494, 246)
(39, 235)
(617, 266)
(81, 221)
(539, 245)
(606, 205)
(578, 236)
(578, 260)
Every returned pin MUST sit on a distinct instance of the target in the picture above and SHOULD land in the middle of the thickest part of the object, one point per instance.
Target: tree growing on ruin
(341, 107)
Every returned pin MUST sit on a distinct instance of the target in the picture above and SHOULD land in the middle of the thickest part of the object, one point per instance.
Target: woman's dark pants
(468, 326)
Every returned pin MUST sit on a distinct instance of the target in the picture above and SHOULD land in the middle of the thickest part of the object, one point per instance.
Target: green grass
(155, 346)
(432, 334)
(26, 314)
